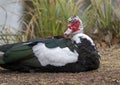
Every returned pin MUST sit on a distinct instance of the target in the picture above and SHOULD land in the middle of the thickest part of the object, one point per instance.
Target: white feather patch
(54, 56)
(1, 54)
(76, 38)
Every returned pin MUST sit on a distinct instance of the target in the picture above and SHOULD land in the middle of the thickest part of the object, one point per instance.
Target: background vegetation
(103, 17)
(44, 18)
(48, 17)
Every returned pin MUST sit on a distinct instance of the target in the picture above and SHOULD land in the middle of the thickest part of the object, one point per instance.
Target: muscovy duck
(54, 54)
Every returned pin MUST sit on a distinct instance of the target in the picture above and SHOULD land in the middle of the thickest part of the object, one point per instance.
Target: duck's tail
(3, 49)
(1, 58)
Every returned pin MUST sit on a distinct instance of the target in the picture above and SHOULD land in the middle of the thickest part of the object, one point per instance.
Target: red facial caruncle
(74, 25)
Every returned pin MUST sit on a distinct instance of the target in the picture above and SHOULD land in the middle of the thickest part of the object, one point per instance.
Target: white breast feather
(54, 56)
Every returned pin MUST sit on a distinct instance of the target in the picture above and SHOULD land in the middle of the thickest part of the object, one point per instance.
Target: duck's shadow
(7, 71)
(4, 71)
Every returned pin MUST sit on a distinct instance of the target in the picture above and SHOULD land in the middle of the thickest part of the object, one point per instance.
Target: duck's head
(74, 26)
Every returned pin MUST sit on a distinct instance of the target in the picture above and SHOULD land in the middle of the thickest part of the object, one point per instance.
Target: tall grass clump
(101, 15)
(8, 35)
(42, 18)
(48, 17)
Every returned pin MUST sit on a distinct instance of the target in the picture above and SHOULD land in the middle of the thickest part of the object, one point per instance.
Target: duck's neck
(75, 37)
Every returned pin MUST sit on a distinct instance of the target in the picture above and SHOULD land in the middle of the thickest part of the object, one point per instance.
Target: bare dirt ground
(107, 74)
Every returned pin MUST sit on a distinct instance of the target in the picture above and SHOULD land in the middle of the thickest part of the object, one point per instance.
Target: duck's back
(24, 54)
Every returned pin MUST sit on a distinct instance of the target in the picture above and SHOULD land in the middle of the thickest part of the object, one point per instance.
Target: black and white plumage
(55, 54)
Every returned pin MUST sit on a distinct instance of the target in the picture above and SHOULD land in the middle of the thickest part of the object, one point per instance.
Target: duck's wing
(53, 42)
(23, 51)
(16, 52)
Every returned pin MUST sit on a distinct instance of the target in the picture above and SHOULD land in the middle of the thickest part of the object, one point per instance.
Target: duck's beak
(67, 33)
